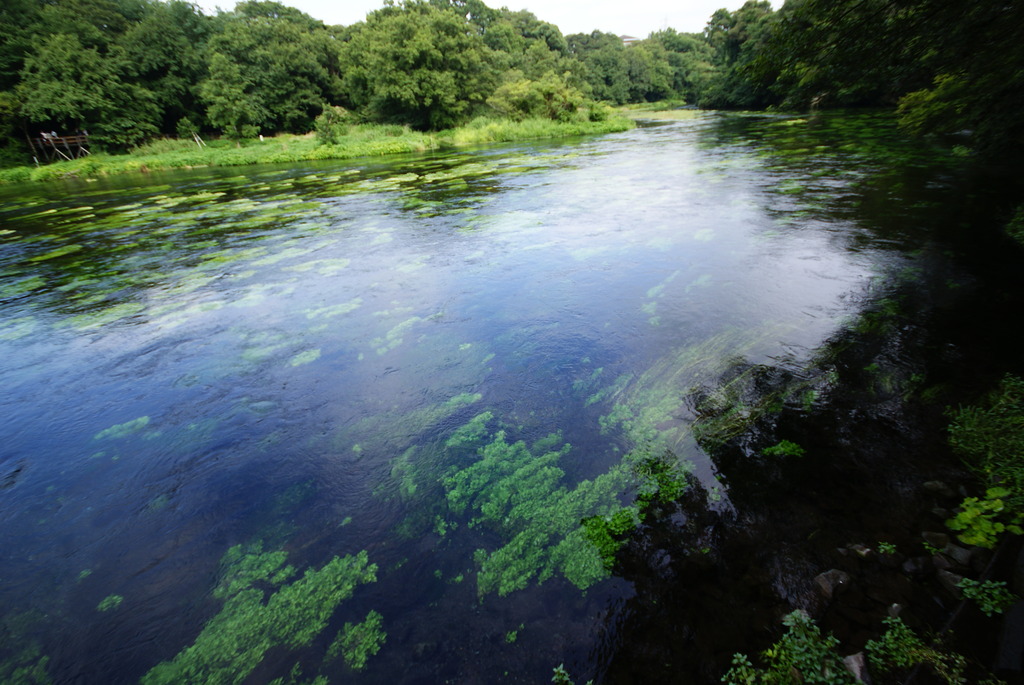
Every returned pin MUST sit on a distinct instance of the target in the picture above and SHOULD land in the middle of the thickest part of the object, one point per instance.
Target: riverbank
(369, 140)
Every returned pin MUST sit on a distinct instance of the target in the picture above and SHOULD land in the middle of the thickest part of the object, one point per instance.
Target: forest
(129, 71)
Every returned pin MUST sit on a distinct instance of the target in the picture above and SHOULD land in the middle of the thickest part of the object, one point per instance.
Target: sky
(638, 18)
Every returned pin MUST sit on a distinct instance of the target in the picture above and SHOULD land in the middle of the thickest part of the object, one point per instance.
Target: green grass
(369, 140)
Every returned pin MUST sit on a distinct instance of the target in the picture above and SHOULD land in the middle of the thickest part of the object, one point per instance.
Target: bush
(549, 98)
(332, 125)
(802, 655)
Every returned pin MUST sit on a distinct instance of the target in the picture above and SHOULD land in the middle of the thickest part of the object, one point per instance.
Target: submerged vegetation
(261, 612)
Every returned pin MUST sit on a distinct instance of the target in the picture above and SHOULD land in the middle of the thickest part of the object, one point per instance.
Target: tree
(691, 59)
(285, 63)
(72, 86)
(550, 97)
(604, 57)
(737, 39)
(416, 64)
(232, 104)
(165, 50)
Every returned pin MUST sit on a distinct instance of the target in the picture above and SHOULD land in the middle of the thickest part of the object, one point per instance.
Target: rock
(1010, 658)
(861, 550)
(950, 582)
(857, 665)
(917, 566)
(936, 540)
(942, 563)
(958, 554)
(937, 487)
(831, 581)
(894, 610)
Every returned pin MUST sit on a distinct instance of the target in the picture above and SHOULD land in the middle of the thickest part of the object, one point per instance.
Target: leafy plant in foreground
(991, 439)
(802, 655)
(991, 596)
(900, 648)
(982, 521)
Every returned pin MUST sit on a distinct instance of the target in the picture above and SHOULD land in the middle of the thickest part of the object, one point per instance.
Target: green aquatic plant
(244, 566)
(358, 642)
(27, 666)
(470, 433)
(548, 526)
(305, 357)
(784, 448)
(121, 430)
(606, 533)
(521, 495)
(991, 596)
(109, 602)
(393, 338)
(232, 644)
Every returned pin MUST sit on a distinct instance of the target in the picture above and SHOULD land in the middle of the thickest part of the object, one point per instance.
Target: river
(350, 420)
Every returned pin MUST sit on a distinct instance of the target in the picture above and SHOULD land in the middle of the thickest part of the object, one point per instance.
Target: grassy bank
(360, 141)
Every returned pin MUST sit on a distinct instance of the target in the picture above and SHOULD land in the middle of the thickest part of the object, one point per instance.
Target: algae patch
(251, 622)
(121, 430)
(358, 642)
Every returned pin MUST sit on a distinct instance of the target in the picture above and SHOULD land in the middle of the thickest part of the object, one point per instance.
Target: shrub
(332, 125)
(991, 596)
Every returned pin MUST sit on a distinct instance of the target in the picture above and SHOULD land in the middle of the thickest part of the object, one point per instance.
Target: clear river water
(386, 421)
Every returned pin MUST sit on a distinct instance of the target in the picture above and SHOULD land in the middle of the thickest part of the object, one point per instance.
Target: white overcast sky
(636, 18)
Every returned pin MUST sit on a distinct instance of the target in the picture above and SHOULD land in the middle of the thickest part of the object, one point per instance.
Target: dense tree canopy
(128, 70)
(416, 64)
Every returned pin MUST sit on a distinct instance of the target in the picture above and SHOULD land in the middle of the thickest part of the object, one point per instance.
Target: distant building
(629, 40)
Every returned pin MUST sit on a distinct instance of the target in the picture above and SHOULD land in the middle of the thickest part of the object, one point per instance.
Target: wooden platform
(55, 148)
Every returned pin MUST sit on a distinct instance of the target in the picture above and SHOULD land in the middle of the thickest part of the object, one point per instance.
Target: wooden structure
(53, 148)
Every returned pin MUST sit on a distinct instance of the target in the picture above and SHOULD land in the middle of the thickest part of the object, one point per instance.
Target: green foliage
(109, 602)
(802, 655)
(550, 97)
(784, 448)
(332, 125)
(991, 596)
(982, 521)
(991, 440)
(935, 109)
(900, 648)
(1015, 227)
(357, 643)
(951, 66)
(886, 548)
(232, 103)
(233, 643)
(416, 64)
(271, 66)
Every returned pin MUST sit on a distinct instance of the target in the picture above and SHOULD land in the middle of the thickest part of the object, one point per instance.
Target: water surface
(210, 376)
